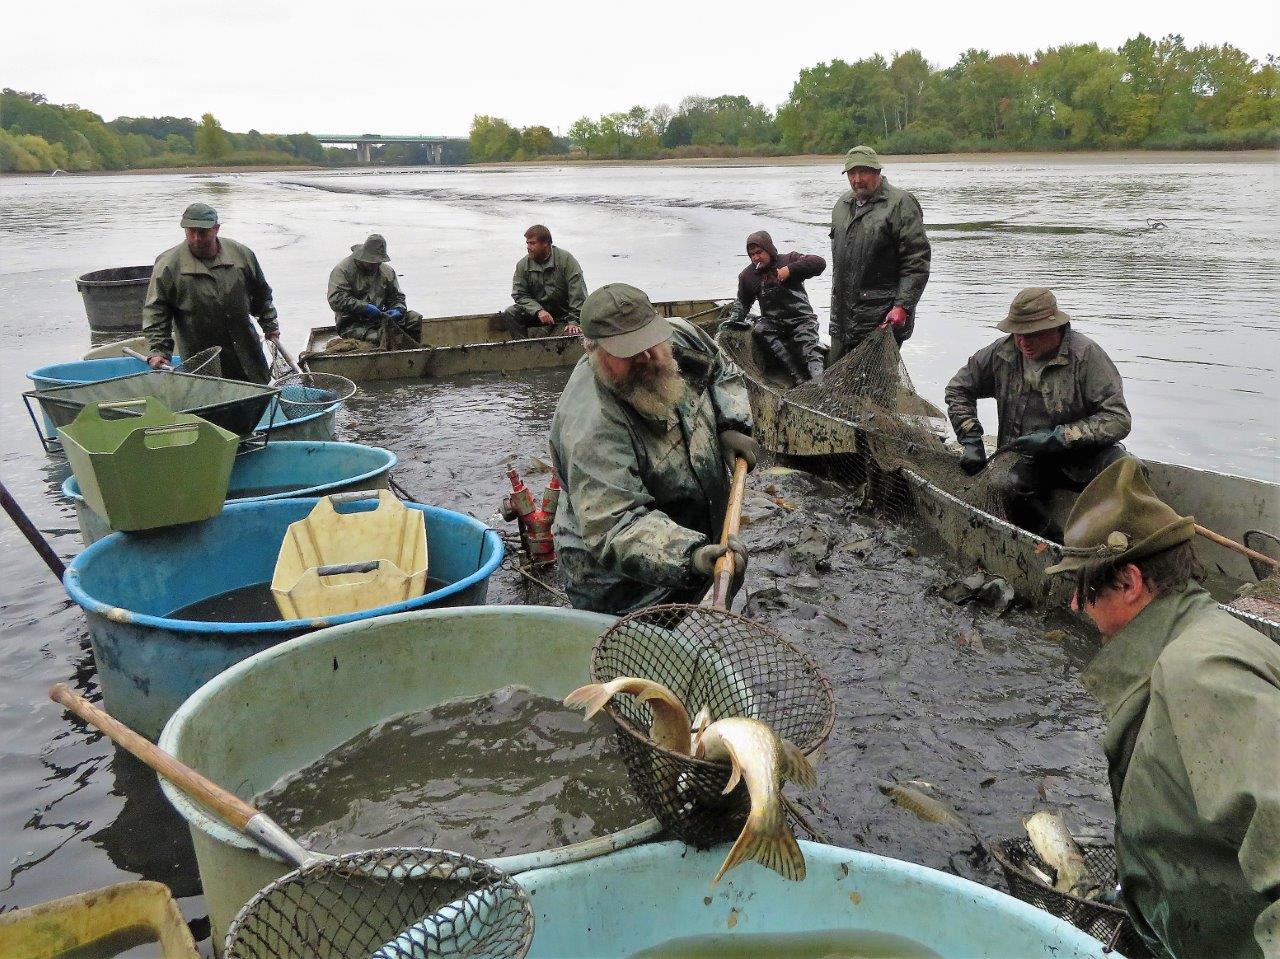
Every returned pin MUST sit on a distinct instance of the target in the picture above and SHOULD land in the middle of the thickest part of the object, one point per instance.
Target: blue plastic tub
(128, 585)
(307, 468)
(320, 425)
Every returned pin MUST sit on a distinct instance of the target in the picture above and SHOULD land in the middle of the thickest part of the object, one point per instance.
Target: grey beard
(655, 398)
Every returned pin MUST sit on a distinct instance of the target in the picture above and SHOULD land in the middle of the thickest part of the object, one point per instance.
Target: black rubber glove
(733, 443)
(1041, 442)
(974, 458)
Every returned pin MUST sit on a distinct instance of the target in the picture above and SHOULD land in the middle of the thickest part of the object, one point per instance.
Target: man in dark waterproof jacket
(879, 256)
(787, 327)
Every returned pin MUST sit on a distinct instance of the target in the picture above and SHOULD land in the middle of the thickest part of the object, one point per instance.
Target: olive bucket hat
(1118, 518)
(372, 250)
(1033, 310)
(199, 216)
(862, 155)
(622, 320)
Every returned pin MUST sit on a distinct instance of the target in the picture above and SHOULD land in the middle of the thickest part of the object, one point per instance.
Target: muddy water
(990, 710)
(501, 774)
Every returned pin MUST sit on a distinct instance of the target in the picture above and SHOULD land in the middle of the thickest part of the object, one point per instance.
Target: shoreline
(1063, 158)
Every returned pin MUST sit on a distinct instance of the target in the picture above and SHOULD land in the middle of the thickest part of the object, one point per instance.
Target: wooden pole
(1240, 548)
(28, 529)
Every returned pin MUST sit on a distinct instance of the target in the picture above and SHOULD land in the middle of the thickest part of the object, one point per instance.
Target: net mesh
(302, 394)
(386, 903)
(729, 665)
(1108, 924)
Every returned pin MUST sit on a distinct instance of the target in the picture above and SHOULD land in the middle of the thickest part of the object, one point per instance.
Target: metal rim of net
(392, 903)
(205, 363)
(683, 792)
(309, 392)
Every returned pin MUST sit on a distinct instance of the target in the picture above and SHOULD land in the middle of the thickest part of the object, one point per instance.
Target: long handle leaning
(1240, 548)
(722, 577)
(285, 355)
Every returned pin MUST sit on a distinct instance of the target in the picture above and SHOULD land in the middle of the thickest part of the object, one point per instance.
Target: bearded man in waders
(1192, 701)
(642, 439)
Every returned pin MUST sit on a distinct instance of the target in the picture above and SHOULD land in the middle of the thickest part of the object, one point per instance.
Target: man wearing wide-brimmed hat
(365, 295)
(203, 293)
(1059, 402)
(1192, 702)
(879, 256)
(641, 440)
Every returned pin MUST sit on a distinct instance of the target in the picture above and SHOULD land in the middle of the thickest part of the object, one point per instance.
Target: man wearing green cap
(548, 287)
(364, 294)
(642, 439)
(879, 256)
(1191, 697)
(1059, 402)
(203, 293)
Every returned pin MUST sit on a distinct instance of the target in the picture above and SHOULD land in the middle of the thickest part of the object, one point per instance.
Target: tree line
(1152, 94)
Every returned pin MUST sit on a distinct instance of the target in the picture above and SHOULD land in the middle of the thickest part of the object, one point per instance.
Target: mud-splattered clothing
(350, 288)
(1192, 700)
(556, 286)
(640, 495)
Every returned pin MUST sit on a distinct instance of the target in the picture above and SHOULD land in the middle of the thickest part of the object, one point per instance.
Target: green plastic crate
(156, 468)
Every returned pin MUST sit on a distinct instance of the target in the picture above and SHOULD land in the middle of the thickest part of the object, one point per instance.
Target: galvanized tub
(113, 298)
(128, 584)
(307, 468)
(643, 897)
(286, 707)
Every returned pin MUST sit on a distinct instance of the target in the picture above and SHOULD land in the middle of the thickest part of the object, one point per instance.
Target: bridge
(365, 142)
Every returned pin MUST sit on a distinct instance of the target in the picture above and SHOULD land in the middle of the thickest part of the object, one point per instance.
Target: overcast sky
(406, 67)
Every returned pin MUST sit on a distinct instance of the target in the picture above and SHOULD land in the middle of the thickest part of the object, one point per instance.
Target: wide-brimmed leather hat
(372, 250)
(1033, 310)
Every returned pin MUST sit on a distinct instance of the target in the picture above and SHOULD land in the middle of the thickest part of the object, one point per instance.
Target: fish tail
(590, 698)
(766, 839)
(796, 766)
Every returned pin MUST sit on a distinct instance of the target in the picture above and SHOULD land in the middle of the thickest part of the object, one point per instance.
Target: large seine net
(394, 903)
(733, 667)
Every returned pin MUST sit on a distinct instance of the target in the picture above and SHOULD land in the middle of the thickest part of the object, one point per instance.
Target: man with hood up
(787, 327)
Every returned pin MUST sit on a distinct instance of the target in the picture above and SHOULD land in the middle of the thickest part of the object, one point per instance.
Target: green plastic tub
(156, 469)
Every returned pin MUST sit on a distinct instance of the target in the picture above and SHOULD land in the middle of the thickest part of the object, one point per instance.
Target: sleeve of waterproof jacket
(342, 296)
(745, 300)
(913, 252)
(1224, 708)
(619, 522)
(520, 291)
(728, 388)
(806, 266)
(157, 311)
(1103, 392)
(394, 296)
(577, 287)
(260, 303)
(972, 382)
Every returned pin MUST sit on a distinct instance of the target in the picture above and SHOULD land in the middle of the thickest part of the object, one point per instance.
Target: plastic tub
(113, 299)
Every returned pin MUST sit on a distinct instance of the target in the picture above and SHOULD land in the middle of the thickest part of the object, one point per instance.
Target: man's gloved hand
(394, 313)
(974, 457)
(371, 311)
(1041, 442)
(895, 317)
(158, 361)
(733, 443)
(704, 559)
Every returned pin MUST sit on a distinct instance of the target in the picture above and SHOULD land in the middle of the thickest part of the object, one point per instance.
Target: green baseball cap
(372, 250)
(862, 155)
(623, 321)
(199, 216)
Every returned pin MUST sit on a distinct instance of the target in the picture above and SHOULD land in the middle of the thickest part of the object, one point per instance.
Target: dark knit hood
(762, 239)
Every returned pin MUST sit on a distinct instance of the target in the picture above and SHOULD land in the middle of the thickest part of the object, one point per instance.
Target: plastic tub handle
(339, 568)
(353, 496)
(121, 404)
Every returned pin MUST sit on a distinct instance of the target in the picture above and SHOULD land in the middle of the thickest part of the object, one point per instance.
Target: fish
(670, 728)
(763, 760)
(926, 808)
(1053, 843)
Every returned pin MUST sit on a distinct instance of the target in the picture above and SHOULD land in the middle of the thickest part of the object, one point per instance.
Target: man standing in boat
(788, 327)
(879, 256)
(365, 295)
(641, 440)
(1059, 402)
(1192, 701)
(548, 287)
(202, 294)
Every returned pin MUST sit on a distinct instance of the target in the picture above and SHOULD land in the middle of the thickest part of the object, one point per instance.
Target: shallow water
(797, 945)
(988, 709)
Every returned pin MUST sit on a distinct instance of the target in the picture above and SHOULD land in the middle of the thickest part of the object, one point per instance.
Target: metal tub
(113, 298)
(128, 584)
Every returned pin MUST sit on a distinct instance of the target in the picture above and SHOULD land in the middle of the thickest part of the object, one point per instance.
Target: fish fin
(796, 766)
(766, 839)
(735, 774)
(590, 699)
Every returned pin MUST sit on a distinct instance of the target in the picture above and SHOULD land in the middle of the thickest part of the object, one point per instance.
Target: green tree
(492, 139)
(211, 140)
(536, 141)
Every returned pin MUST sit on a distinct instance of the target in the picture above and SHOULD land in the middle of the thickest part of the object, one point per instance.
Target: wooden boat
(473, 343)
(1227, 504)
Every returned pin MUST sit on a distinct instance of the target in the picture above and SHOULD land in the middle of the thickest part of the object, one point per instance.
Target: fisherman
(1059, 402)
(642, 439)
(787, 327)
(364, 294)
(202, 293)
(548, 287)
(1192, 701)
(879, 256)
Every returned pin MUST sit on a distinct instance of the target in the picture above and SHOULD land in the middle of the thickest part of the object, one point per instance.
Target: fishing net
(730, 665)
(302, 394)
(205, 363)
(1106, 923)
(386, 903)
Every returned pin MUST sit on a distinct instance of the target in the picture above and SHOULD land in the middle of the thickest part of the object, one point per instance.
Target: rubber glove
(371, 311)
(895, 317)
(704, 559)
(158, 361)
(974, 458)
(733, 443)
(1041, 442)
(394, 313)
